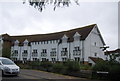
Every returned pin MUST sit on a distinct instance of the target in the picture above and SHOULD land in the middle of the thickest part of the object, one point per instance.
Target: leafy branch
(41, 4)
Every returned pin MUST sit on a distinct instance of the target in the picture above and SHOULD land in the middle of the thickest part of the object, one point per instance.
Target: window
(77, 48)
(32, 43)
(14, 59)
(64, 52)
(95, 43)
(56, 41)
(53, 49)
(16, 51)
(25, 51)
(53, 52)
(64, 59)
(64, 49)
(64, 39)
(44, 50)
(43, 42)
(16, 43)
(51, 41)
(46, 42)
(53, 59)
(25, 59)
(76, 51)
(35, 59)
(44, 53)
(95, 54)
(44, 59)
(77, 59)
(25, 42)
(35, 51)
(77, 38)
(7, 62)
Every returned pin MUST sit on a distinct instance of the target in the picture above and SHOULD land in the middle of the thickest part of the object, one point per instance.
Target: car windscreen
(7, 62)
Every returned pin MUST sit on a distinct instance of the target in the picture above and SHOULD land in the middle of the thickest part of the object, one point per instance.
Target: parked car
(8, 67)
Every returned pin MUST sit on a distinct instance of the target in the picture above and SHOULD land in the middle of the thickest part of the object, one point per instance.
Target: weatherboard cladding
(83, 31)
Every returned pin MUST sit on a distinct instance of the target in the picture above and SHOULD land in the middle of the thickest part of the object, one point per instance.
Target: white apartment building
(76, 44)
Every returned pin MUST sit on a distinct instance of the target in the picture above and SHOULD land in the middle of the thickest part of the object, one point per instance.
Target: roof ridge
(92, 25)
(83, 31)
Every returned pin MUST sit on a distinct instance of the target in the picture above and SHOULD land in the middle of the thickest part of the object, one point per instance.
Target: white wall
(89, 45)
(48, 46)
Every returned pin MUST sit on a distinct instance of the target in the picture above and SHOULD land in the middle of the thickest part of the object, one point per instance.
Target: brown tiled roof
(6, 37)
(94, 59)
(83, 31)
(112, 51)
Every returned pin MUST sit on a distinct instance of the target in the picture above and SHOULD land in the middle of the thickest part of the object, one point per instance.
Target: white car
(8, 67)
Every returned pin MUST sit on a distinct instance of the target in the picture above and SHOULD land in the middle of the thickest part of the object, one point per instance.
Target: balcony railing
(53, 53)
(15, 55)
(34, 54)
(24, 54)
(43, 54)
(76, 52)
(64, 53)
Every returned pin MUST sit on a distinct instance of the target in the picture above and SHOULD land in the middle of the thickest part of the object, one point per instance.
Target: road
(35, 75)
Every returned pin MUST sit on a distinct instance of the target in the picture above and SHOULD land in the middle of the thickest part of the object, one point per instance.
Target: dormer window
(64, 39)
(25, 42)
(16, 43)
(76, 36)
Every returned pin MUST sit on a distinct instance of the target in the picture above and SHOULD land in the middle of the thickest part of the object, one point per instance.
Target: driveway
(35, 75)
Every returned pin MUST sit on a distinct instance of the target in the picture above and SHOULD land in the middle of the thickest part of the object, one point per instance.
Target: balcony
(64, 53)
(14, 55)
(24, 54)
(53, 53)
(76, 52)
(43, 54)
(34, 54)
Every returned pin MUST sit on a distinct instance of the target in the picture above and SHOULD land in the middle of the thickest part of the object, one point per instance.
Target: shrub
(101, 66)
(24, 66)
(85, 67)
(59, 68)
(115, 72)
(46, 66)
(72, 66)
(112, 67)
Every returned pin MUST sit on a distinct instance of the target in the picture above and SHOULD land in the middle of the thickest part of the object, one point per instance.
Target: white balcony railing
(14, 55)
(24, 54)
(43, 54)
(64, 53)
(53, 53)
(34, 54)
(76, 53)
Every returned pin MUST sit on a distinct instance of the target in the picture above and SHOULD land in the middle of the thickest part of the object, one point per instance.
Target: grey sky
(19, 19)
